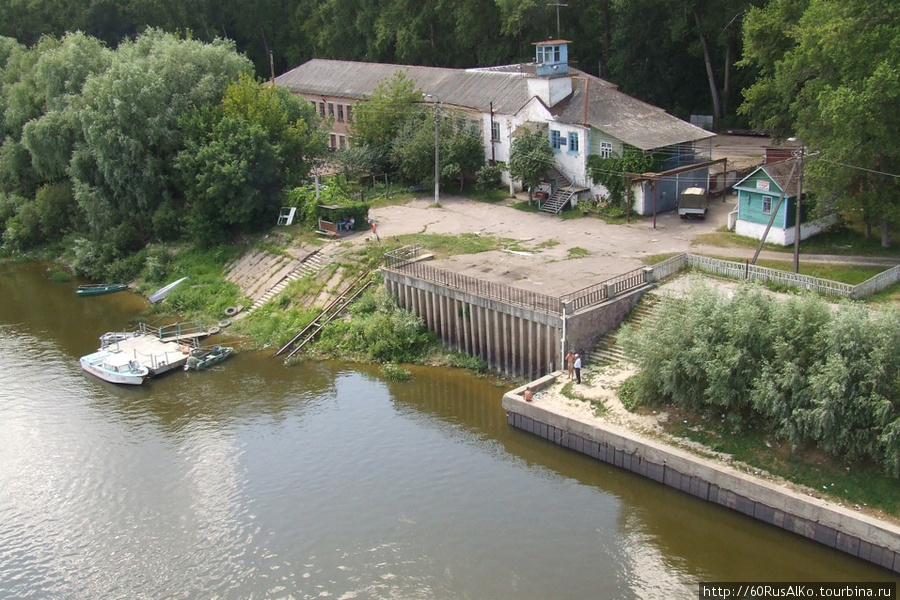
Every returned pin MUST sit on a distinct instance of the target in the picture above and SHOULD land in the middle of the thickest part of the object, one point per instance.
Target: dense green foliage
(530, 158)
(685, 65)
(377, 331)
(833, 80)
(461, 151)
(795, 367)
(162, 139)
(610, 172)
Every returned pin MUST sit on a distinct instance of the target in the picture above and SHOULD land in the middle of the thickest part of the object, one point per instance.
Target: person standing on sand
(374, 232)
(577, 366)
(570, 364)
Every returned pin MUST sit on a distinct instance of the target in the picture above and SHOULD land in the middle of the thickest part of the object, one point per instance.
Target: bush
(395, 373)
(488, 178)
(55, 205)
(794, 368)
(23, 230)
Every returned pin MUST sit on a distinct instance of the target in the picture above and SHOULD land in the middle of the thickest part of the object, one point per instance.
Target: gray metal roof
(464, 89)
(623, 117)
(613, 112)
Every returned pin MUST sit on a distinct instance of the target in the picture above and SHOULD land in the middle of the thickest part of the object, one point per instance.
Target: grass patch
(206, 294)
(525, 206)
(395, 373)
(551, 243)
(890, 295)
(443, 246)
(569, 391)
(473, 193)
(853, 484)
(846, 240)
(577, 252)
(728, 239)
(655, 259)
(849, 274)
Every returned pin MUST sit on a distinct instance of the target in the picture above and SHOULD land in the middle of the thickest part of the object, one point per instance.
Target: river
(255, 481)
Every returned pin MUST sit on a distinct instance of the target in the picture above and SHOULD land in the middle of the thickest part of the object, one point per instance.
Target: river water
(255, 480)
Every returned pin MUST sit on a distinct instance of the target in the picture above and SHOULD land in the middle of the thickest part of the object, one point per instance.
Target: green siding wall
(750, 203)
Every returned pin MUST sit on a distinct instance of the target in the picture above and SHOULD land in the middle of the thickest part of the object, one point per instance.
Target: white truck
(693, 202)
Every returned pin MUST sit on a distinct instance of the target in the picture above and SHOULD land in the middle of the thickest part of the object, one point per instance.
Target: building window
(349, 113)
(322, 108)
(332, 141)
(495, 131)
(554, 139)
(313, 102)
(605, 150)
(342, 142)
(340, 113)
(548, 54)
(330, 110)
(767, 205)
(573, 142)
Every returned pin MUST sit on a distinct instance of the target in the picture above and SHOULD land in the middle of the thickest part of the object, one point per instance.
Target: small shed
(758, 196)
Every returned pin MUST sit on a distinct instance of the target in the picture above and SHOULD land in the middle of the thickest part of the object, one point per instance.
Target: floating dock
(160, 349)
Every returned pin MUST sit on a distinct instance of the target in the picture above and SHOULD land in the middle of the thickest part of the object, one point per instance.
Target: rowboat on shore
(96, 289)
(162, 292)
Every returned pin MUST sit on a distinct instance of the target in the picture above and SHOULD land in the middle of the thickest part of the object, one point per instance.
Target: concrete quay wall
(834, 526)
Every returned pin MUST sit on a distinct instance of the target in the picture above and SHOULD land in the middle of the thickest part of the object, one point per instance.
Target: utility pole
(799, 214)
(437, 148)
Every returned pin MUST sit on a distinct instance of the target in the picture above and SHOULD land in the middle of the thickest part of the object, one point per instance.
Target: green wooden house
(758, 198)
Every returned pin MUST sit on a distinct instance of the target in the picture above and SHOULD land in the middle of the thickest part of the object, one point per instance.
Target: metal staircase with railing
(562, 191)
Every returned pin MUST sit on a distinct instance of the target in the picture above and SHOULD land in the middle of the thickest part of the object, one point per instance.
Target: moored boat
(203, 358)
(96, 289)
(114, 367)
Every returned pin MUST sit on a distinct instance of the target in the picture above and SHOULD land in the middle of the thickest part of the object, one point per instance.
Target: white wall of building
(783, 237)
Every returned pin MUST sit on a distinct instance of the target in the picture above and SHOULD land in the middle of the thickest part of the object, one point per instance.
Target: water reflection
(253, 480)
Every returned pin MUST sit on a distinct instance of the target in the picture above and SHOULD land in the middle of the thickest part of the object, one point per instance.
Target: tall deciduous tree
(379, 120)
(530, 159)
(130, 121)
(837, 86)
(245, 153)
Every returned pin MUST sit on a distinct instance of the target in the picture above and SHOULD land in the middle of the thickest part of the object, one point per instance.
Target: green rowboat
(203, 358)
(95, 289)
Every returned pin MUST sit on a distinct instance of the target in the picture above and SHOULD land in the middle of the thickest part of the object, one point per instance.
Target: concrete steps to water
(608, 350)
(312, 264)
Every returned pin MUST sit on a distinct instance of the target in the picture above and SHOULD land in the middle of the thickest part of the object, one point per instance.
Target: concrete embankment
(834, 526)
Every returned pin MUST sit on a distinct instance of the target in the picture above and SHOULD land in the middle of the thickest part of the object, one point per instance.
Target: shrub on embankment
(794, 367)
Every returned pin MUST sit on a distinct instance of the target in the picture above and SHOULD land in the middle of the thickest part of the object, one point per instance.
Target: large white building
(583, 115)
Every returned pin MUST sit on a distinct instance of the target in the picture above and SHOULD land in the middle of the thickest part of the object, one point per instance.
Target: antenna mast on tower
(557, 4)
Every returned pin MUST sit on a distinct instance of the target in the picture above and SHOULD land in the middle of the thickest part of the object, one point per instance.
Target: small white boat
(164, 291)
(114, 367)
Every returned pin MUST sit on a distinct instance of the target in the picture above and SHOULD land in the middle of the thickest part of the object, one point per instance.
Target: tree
(378, 120)
(461, 151)
(836, 86)
(131, 126)
(242, 155)
(530, 159)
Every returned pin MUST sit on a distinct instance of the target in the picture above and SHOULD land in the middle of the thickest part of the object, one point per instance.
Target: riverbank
(638, 445)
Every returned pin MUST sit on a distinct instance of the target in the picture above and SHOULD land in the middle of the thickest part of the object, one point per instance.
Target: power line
(834, 162)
